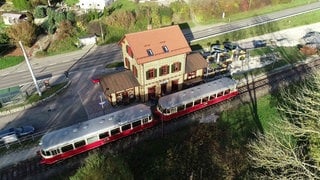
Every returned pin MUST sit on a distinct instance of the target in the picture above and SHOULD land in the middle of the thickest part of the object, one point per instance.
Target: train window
(205, 99)
(160, 108)
(227, 91)
(189, 105)
(54, 152)
(213, 96)
(48, 153)
(181, 108)
(137, 123)
(145, 120)
(45, 153)
(150, 118)
(67, 148)
(126, 127)
(198, 101)
(115, 131)
(103, 135)
(173, 110)
(92, 139)
(79, 143)
(167, 111)
(220, 94)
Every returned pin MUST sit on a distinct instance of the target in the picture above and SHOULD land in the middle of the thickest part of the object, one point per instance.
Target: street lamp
(30, 68)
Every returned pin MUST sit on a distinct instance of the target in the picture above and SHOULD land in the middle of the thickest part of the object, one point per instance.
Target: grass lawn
(10, 61)
(35, 97)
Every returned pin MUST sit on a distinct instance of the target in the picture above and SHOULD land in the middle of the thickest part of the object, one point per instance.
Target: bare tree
(277, 156)
(292, 149)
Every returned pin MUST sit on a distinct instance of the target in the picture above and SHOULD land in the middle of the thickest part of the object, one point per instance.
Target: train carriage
(195, 98)
(69, 141)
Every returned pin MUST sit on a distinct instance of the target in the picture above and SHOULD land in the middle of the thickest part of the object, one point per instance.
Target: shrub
(40, 12)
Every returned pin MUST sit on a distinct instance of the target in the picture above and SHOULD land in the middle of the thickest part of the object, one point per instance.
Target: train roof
(194, 93)
(103, 123)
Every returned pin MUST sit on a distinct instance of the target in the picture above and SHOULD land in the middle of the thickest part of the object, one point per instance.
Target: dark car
(24, 130)
(230, 46)
(312, 37)
(259, 43)
(19, 131)
(311, 33)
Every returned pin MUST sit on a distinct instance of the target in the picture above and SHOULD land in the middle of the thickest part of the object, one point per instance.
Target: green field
(10, 61)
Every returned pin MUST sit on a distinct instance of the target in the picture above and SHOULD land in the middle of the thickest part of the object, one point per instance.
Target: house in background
(88, 40)
(13, 18)
(162, 2)
(157, 62)
(96, 4)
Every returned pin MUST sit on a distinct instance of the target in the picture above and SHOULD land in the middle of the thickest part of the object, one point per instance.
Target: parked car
(312, 37)
(18, 131)
(230, 46)
(259, 43)
(95, 79)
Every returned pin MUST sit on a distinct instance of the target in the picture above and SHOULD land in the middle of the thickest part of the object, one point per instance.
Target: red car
(95, 80)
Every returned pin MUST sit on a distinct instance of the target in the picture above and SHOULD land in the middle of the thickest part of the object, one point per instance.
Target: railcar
(192, 99)
(69, 141)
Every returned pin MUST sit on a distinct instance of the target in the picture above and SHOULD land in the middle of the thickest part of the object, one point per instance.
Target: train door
(174, 86)
(163, 89)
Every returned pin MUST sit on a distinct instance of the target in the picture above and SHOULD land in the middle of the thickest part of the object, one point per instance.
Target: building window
(164, 70)
(176, 67)
(150, 53)
(135, 71)
(152, 73)
(129, 51)
(127, 63)
(191, 75)
(165, 48)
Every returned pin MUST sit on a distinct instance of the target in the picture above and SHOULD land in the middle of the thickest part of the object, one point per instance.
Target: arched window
(127, 63)
(129, 51)
(135, 71)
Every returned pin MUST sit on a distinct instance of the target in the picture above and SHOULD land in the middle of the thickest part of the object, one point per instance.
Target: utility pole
(30, 69)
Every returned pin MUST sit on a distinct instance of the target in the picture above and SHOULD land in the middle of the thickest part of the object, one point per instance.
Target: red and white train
(70, 141)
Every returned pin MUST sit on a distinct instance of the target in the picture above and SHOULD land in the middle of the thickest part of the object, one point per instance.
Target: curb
(27, 106)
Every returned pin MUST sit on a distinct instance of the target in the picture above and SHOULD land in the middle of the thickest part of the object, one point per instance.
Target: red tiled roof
(171, 37)
(194, 62)
(118, 81)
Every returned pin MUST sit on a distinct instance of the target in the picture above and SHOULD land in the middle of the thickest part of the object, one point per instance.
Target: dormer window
(150, 53)
(165, 48)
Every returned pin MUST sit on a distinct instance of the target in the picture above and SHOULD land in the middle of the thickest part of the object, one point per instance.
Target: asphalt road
(250, 22)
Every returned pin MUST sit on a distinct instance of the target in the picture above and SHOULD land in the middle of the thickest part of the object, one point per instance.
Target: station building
(157, 62)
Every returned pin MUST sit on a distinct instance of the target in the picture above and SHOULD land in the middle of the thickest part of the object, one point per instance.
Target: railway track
(32, 169)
